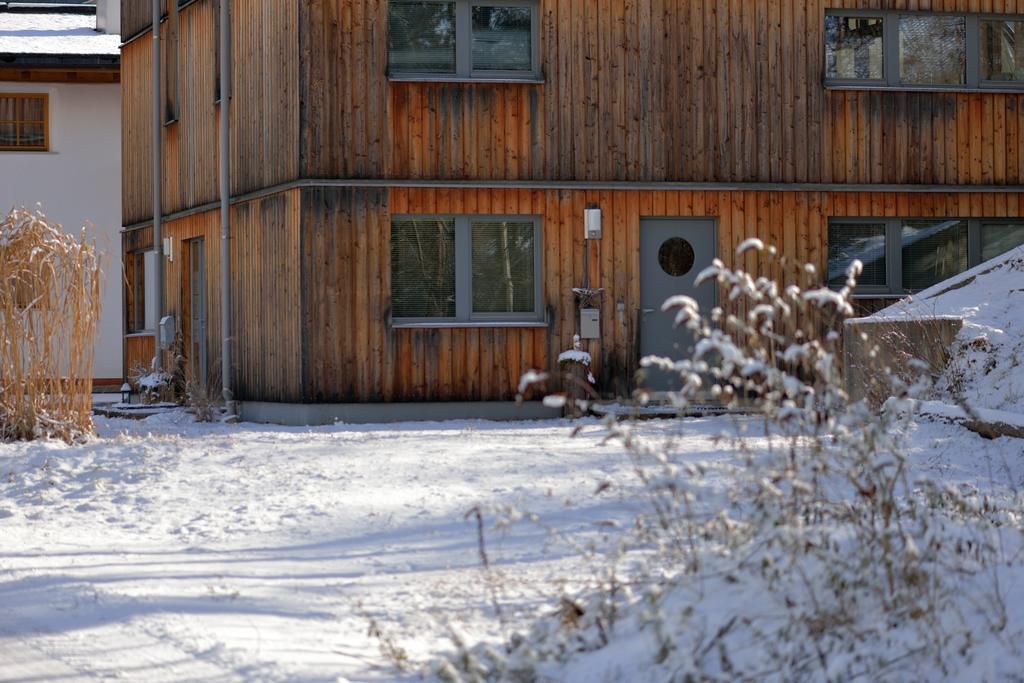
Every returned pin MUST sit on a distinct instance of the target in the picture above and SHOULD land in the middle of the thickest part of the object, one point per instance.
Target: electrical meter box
(592, 224)
(167, 332)
(590, 323)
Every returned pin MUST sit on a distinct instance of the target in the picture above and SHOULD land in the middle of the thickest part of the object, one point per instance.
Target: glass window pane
(1001, 58)
(933, 50)
(8, 108)
(423, 268)
(31, 109)
(503, 267)
(421, 36)
(853, 48)
(502, 39)
(32, 135)
(932, 251)
(857, 241)
(999, 238)
(8, 134)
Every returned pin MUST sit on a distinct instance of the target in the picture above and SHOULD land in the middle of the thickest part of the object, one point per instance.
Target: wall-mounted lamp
(592, 223)
(169, 248)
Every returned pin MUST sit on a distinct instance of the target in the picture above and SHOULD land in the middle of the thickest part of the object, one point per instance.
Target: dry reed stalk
(49, 318)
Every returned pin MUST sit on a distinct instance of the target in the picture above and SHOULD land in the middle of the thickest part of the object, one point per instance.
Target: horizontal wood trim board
(570, 186)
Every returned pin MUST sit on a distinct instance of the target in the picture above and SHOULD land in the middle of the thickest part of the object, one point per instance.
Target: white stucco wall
(78, 182)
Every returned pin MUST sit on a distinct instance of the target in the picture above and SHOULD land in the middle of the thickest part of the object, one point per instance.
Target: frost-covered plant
(154, 383)
(577, 378)
(49, 316)
(820, 559)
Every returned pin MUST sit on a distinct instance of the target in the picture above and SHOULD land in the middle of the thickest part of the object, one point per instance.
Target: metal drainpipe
(225, 206)
(157, 175)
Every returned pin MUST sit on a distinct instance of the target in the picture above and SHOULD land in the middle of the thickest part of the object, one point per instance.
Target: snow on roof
(54, 34)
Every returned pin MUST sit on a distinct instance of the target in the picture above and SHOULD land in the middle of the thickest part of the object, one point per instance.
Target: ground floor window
(902, 256)
(465, 269)
(140, 307)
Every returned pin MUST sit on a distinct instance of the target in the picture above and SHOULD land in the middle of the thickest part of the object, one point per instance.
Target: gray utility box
(167, 333)
(590, 323)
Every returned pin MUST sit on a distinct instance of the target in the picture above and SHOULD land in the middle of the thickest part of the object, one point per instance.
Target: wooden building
(409, 179)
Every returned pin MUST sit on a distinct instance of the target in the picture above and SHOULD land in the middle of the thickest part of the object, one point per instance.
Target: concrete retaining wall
(896, 344)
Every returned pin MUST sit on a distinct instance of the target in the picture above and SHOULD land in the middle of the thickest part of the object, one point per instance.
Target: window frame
(464, 314)
(894, 249)
(990, 84)
(135, 293)
(870, 290)
(45, 97)
(891, 58)
(464, 71)
(171, 67)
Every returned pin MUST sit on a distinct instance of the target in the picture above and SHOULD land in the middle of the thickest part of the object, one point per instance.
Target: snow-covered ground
(165, 550)
(987, 366)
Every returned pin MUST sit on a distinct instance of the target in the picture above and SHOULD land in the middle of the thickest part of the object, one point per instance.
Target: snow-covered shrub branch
(811, 550)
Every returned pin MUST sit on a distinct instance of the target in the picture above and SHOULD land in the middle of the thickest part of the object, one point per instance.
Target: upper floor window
(23, 122)
(923, 50)
(902, 256)
(463, 39)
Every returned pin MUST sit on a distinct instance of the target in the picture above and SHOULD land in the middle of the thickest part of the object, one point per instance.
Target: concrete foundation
(298, 415)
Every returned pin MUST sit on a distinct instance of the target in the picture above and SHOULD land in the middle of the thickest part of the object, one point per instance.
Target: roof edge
(56, 8)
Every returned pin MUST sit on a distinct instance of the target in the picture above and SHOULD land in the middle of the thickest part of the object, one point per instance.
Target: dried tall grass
(49, 318)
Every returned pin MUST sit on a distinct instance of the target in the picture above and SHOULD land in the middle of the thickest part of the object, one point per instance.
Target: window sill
(431, 78)
(502, 324)
(949, 89)
(138, 335)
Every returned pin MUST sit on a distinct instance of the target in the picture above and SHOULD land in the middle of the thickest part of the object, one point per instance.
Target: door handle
(645, 311)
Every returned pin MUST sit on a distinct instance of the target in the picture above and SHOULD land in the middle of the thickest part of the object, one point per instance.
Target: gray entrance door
(673, 252)
(197, 308)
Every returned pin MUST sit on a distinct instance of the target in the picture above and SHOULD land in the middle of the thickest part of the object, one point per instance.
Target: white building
(60, 134)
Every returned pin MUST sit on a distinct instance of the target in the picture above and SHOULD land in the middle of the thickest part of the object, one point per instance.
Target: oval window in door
(676, 257)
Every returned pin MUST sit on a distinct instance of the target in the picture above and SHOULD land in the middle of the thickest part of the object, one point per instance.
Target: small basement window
(923, 50)
(24, 124)
(465, 269)
(463, 40)
(903, 256)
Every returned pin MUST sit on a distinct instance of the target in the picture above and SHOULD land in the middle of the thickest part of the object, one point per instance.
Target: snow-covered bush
(819, 558)
(154, 384)
(49, 315)
(577, 380)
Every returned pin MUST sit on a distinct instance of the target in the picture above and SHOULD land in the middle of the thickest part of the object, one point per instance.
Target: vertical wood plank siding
(634, 90)
(265, 287)
(352, 354)
(651, 90)
(264, 112)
